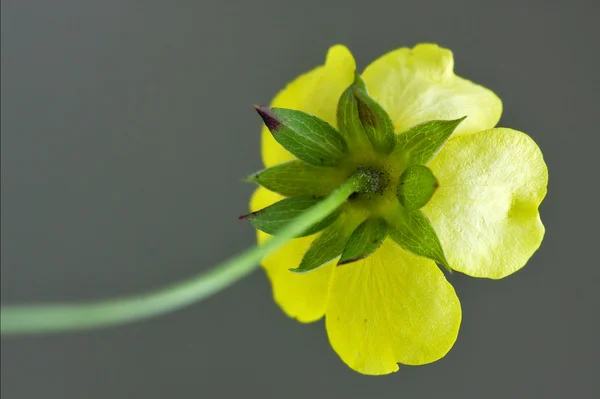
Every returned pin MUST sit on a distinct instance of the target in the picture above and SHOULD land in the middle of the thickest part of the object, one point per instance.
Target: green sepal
(309, 138)
(348, 121)
(420, 143)
(298, 178)
(365, 240)
(376, 123)
(416, 187)
(413, 232)
(328, 245)
(275, 217)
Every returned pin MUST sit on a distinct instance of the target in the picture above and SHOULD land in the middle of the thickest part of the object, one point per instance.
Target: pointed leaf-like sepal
(309, 138)
(420, 143)
(328, 245)
(375, 122)
(299, 178)
(413, 232)
(365, 240)
(348, 121)
(416, 187)
(275, 217)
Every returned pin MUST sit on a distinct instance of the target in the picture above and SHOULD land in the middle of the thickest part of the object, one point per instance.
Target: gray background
(127, 127)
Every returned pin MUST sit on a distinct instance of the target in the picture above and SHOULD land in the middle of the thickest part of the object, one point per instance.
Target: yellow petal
(316, 92)
(485, 210)
(301, 296)
(417, 85)
(392, 307)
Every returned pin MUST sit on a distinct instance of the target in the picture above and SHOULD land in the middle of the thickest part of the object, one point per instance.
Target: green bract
(299, 178)
(413, 232)
(309, 138)
(275, 217)
(375, 122)
(416, 186)
(364, 240)
(396, 182)
(329, 245)
(420, 143)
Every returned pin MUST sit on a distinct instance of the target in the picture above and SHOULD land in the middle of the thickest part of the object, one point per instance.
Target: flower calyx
(395, 182)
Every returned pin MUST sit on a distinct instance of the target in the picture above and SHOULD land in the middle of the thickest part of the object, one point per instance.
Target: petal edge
(417, 85)
(392, 307)
(486, 208)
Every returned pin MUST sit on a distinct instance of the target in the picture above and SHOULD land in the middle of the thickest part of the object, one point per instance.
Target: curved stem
(31, 319)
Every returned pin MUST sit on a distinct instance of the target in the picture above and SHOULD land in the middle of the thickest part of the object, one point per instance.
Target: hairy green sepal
(309, 138)
(347, 117)
(328, 245)
(420, 143)
(365, 240)
(299, 178)
(376, 123)
(275, 217)
(416, 187)
(361, 119)
(413, 232)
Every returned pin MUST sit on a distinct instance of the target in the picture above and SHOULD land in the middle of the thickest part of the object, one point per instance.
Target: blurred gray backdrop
(127, 128)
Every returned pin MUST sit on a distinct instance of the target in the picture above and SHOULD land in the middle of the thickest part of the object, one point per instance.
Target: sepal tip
(268, 117)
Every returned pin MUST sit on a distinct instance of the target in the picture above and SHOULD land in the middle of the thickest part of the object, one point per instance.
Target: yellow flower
(394, 306)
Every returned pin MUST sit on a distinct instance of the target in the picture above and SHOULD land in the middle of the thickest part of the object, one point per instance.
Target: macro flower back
(438, 184)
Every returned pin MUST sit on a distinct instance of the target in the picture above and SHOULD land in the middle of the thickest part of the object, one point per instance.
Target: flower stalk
(35, 319)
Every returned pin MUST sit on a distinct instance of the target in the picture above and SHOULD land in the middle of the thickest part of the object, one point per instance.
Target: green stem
(32, 319)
